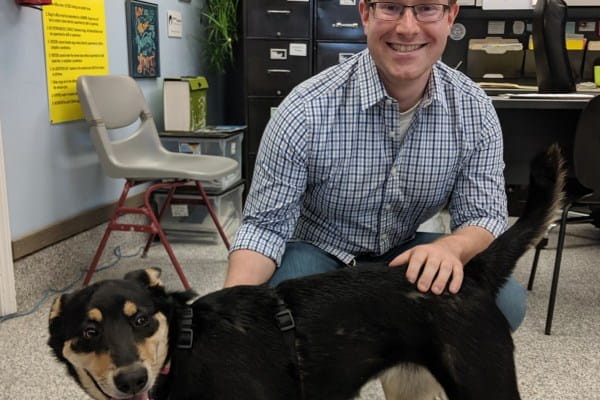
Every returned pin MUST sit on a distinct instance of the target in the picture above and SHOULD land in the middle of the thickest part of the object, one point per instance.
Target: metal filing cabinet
(338, 32)
(278, 54)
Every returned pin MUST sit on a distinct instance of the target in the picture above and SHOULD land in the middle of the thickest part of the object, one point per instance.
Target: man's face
(405, 50)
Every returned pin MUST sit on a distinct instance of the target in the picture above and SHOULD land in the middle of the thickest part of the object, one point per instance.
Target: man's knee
(302, 259)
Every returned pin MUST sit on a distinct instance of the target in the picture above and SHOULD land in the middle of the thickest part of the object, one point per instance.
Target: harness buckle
(285, 320)
(185, 339)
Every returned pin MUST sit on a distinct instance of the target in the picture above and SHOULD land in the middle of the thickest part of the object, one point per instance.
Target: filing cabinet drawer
(333, 53)
(339, 20)
(276, 66)
(259, 113)
(278, 18)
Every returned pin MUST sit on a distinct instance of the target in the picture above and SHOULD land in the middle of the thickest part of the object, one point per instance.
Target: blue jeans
(302, 258)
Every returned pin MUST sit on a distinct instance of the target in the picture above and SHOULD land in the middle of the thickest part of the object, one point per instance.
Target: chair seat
(176, 166)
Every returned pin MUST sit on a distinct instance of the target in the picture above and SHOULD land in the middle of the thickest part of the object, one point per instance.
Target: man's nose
(408, 21)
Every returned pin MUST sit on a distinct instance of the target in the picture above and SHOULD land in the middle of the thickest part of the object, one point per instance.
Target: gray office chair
(113, 102)
(582, 193)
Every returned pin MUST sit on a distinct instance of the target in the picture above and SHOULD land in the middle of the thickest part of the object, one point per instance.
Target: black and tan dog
(351, 326)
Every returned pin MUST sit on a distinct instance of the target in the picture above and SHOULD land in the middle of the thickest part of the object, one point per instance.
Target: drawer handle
(280, 71)
(342, 25)
(279, 12)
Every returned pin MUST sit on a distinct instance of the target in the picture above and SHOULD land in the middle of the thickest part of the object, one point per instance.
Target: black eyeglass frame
(372, 4)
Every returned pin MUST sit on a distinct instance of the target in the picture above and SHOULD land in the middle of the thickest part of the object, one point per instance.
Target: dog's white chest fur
(411, 382)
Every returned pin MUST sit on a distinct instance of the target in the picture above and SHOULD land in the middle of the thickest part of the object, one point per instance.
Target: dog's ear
(58, 305)
(149, 276)
(55, 325)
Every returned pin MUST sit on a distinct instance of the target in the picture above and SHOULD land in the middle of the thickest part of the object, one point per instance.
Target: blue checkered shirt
(332, 170)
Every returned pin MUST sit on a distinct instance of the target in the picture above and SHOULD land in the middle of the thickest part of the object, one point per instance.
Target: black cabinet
(332, 53)
(338, 20)
(276, 66)
(278, 19)
(278, 55)
(285, 42)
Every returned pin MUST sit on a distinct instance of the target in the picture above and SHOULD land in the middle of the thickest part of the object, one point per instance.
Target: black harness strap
(287, 325)
(185, 336)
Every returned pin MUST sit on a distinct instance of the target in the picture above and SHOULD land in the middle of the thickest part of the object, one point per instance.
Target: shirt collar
(373, 91)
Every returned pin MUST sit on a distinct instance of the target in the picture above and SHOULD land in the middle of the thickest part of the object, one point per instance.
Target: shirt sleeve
(479, 196)
(278, 184)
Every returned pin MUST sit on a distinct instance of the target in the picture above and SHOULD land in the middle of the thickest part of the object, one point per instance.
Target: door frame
(8, 295)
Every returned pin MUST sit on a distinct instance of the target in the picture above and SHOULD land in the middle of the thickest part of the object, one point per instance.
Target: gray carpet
(563, 366)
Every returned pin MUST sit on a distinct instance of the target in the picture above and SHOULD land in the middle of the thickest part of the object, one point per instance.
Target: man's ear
(149, 276)
(363, 9)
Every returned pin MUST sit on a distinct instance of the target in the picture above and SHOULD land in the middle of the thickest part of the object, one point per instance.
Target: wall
(52, 171)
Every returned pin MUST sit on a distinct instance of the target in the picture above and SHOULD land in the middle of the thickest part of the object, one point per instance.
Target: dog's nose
(131, 380)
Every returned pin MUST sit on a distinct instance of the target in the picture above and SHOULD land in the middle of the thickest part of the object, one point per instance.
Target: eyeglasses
(422, 12)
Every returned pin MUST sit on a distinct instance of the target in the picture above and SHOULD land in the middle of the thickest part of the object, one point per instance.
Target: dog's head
(113, 335)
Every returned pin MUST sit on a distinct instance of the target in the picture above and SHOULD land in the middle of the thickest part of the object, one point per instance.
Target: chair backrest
(113, 102)
(552, 65)
(586, 150)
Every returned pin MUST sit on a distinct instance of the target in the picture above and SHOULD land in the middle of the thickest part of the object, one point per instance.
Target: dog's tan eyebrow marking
(95, 314)
(129, 308)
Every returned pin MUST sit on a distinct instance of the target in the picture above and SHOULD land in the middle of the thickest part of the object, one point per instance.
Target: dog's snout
(132, 380)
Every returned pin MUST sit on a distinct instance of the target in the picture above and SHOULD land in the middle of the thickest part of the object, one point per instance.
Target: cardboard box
(184, 103)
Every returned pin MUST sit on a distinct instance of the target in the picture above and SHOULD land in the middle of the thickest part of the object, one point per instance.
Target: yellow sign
(75, 43)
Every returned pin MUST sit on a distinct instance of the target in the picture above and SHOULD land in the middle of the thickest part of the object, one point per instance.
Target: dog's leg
(411, 382)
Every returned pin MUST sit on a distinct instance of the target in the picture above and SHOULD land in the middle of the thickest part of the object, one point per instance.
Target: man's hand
(433, 265)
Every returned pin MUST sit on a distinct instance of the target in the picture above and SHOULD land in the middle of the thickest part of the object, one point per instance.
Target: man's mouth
(405, 48)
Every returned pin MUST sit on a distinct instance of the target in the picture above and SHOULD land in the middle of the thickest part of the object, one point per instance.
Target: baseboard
(62, 230)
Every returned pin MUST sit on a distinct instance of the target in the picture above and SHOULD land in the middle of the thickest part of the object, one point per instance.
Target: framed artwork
(142, 39)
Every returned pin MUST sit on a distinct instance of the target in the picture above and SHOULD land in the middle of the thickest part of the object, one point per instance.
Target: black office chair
(553, 68)
(582, 193)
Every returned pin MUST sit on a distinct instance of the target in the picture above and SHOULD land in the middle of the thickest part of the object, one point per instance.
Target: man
(357, 157)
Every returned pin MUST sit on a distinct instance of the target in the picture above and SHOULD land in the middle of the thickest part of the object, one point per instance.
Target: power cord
(51, 291)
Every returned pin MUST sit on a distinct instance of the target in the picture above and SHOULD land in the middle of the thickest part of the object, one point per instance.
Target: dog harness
(287, 326)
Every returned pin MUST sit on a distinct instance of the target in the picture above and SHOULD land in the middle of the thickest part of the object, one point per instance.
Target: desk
(529, 126)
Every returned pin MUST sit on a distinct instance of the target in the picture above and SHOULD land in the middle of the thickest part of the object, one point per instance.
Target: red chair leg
(99, 250)
(157, 230)
(159, 218)
(113, 219)
(211, 211)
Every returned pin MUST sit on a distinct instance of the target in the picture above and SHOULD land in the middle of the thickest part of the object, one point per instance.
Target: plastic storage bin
(193, 220)
(226, 144)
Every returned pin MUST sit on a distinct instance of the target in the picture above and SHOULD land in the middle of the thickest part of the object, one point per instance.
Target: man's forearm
(247, 267)
(467, 242)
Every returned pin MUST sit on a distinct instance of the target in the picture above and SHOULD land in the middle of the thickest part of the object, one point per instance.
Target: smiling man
(358, 156)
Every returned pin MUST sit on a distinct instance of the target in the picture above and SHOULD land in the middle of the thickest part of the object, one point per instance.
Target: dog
(318, 337)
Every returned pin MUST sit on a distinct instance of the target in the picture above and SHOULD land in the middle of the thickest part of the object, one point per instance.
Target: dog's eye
(140, 320)
(90, 333)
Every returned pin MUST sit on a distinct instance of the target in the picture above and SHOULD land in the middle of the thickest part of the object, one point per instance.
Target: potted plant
(221, 32)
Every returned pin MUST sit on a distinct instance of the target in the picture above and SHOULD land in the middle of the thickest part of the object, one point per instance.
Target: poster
(142, 39)
(75, 44)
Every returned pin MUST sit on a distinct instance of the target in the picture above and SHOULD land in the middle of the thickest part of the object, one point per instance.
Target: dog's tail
(493, 266)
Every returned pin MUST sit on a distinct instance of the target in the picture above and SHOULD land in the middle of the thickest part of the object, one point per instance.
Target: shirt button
(388, 206)
(394, 171)
(384, 236)
(392, 134)
(388, 101)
